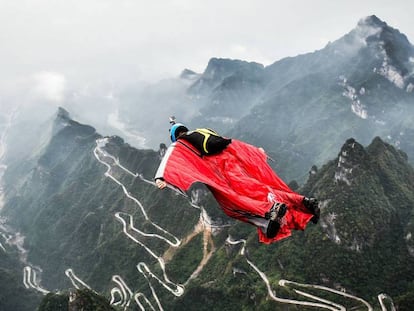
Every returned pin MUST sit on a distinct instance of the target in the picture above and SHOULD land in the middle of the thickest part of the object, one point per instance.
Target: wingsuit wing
(240, 179)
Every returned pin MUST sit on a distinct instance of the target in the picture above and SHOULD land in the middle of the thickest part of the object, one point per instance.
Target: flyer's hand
(161, 184)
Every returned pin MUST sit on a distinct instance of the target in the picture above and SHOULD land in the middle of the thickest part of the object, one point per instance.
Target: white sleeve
(160, 171)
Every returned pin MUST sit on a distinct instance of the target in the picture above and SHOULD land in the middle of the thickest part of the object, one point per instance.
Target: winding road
(132, 233)
(128, 226)
(122, 295)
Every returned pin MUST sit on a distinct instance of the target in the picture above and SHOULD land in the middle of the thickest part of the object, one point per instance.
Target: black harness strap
(191, 149)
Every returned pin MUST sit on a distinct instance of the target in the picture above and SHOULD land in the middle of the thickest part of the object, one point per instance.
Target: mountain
(360, 85)
(65, 209)
(92, 219)
(368, 210)
(365, 241)
(302, 108)
(226, 91)
(217, 98)
(367, 200)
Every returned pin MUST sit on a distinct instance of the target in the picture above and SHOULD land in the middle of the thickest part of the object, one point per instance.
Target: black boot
(312, 205)
(275, 215)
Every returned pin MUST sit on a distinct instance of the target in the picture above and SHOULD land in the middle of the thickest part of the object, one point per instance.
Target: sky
(149, 40)
(85, 55)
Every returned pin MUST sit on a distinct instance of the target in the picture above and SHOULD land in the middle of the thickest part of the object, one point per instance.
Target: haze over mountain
(359, 85)
(79, 209)
(299, 108)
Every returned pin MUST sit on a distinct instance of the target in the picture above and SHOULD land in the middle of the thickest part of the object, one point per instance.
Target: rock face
(367, 206)
(366, 181)
(70, 211)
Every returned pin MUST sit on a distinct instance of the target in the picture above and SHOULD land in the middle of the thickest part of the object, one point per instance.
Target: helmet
(176, 129)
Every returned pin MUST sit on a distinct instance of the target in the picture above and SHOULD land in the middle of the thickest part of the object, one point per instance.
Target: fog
(96, 58)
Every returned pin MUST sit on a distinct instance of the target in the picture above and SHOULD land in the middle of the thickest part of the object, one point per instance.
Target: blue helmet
(176, 129)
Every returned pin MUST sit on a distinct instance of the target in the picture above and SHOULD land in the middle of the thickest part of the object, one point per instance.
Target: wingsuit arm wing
(161, 168)
(162, 182)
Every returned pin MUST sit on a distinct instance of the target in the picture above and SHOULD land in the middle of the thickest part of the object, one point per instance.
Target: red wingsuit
(241, 181)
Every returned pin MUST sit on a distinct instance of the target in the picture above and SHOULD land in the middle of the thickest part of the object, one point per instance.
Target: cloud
(50, 85)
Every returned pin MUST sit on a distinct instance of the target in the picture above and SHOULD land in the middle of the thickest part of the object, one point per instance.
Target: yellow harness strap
(206, 133)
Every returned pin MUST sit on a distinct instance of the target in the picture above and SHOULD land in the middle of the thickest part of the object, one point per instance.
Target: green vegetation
(84, 299)
(13, 295)
(66, 209)
(54, 302)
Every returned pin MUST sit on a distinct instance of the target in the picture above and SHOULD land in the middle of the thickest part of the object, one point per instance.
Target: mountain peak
(188, 74)
(372, 21)
(63, 114)
(379, 148)
(384, 50)
(62, 119)
(352, 150)
(219, 68)
(351, 156)
(367, 29)
(373, 27)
